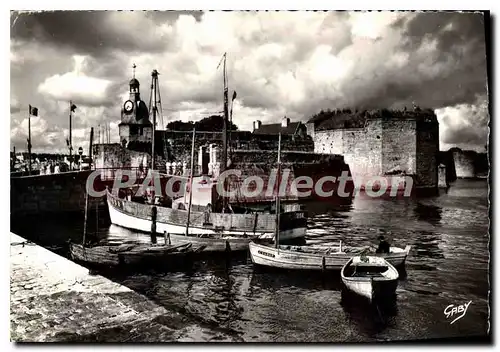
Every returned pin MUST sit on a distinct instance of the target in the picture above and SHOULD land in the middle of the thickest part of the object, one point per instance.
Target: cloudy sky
(280, 63)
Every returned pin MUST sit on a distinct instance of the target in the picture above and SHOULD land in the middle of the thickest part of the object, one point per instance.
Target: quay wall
(56, 193)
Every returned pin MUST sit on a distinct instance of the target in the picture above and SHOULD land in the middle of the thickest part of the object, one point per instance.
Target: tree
(212, 123)
(180, 126)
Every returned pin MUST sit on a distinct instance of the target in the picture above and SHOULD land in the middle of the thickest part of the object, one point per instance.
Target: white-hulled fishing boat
(370, 277)
(137, 216)
(318, 258)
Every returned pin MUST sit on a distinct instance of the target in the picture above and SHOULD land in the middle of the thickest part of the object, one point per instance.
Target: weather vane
(133, 68)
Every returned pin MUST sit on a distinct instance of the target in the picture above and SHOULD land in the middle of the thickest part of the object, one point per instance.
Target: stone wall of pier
(56, 193)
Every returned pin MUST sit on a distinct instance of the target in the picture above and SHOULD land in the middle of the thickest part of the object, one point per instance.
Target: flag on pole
(234, 94)
(73, 107)
(33, 111)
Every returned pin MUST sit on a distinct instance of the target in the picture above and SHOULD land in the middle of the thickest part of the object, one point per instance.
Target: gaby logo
(452, 311)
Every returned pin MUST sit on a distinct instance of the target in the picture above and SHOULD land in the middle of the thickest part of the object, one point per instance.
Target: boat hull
(211, 244)
(372, 288)
(265, 255)
(104, 256)
(123, 218)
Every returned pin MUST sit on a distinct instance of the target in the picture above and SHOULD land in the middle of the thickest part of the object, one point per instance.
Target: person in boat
(383, 245)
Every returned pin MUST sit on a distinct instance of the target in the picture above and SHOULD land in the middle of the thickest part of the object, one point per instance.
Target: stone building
(381, 143)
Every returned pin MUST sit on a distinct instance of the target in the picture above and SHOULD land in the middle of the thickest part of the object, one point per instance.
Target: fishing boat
(137, 216)
(370, 277)
(130, 254)
(218, 228)
(320, 258)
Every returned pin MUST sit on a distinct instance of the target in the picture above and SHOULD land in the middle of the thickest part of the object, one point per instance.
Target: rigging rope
(159, 103)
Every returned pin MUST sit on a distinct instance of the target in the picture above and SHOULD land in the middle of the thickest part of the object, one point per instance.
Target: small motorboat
(370, 277)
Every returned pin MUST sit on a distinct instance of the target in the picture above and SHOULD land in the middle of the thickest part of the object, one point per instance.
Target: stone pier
(53, 299)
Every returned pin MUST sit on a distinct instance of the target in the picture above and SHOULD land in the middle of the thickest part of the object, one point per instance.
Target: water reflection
(370, 318)
(273, 280)
(429, 213)
(426, 244)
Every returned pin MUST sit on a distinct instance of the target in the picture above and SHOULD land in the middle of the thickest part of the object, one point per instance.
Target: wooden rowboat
(319, 258)
(370, 277)
(130, 253)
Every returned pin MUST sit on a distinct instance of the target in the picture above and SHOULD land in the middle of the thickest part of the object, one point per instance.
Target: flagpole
(29, 139)
(70, 141)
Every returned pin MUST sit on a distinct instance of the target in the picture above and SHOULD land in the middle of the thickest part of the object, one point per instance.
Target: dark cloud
(454, 73)
(91, 32)
(451, 29)
(460, 43)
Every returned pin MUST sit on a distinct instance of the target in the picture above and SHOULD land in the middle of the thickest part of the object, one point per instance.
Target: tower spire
(133, 69)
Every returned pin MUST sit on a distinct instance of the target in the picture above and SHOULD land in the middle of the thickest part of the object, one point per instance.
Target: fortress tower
(381, 143)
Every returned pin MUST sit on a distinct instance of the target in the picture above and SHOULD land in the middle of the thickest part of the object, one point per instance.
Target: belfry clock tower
(135, 125)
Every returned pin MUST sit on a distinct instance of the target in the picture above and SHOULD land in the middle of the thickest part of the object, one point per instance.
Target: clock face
(128, 106)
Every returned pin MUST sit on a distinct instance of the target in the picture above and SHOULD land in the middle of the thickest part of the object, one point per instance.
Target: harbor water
(448, 265)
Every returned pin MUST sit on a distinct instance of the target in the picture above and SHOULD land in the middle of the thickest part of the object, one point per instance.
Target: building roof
(276, 128)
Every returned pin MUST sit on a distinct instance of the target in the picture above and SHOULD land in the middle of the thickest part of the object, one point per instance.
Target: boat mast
(191, 183)
(226, 119)
(85, 221)
(278, 212)
(90, 146)
(224, 127)
(72, 107)
(154, 76)
(87, 192)
(29, 141)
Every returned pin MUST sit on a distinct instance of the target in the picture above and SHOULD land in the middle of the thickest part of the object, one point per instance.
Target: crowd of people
(45, 166)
